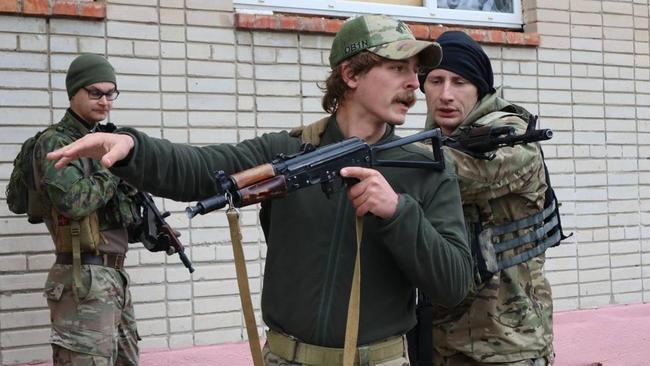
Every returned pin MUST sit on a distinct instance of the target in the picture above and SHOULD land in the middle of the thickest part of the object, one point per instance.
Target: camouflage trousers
(271, 359)
(96, 328)
(462, 360)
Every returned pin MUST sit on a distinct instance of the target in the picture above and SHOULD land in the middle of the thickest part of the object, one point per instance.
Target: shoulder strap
(36, 172)
(312, 132)
(87, 164)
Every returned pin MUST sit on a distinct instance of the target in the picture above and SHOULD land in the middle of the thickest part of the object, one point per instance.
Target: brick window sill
(282, 22)
(87, 9)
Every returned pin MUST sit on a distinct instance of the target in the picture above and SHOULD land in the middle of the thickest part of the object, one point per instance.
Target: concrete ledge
(88, 9)
(298, 23)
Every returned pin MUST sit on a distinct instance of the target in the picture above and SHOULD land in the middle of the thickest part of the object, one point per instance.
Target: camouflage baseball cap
(383, 36)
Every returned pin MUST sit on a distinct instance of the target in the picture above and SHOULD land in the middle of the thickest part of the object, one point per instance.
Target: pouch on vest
(89, 237)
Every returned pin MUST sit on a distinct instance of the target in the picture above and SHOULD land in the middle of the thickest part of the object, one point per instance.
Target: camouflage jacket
(75, 193)
(508, 318)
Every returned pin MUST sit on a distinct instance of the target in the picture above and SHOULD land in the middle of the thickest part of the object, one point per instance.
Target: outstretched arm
(108, 148)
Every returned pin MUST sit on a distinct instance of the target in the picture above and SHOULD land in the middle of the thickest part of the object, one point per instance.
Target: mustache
(406, 97)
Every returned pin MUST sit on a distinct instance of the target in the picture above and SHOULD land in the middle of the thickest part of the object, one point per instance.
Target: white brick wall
(186, 74)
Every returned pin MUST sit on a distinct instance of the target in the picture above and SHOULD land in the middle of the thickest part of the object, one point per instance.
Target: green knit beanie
(88, 69)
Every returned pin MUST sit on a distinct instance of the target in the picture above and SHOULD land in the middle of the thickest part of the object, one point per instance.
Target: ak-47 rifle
(156, 234)
(479, 141)
(289, 173)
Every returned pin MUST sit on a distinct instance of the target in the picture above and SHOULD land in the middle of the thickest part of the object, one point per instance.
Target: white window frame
(429, 13)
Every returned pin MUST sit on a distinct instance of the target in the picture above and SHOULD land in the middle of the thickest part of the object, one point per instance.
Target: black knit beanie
(88, 69)
(465, 57)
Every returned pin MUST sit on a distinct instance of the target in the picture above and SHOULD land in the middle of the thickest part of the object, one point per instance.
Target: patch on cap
(381, 35)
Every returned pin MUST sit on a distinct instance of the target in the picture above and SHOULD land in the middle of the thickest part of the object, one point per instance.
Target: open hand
(108, 148)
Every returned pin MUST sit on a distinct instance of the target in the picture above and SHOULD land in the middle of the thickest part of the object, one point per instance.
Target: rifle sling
(311, 134)
(352, 324)
(244, 290)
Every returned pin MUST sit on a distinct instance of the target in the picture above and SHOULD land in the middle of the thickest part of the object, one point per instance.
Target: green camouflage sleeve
(72, 193)
(512, 169)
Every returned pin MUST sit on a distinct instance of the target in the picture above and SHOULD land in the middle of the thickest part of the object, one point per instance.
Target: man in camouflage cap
(507, 317)
(413, 232)
(88, 210)
(383, 36)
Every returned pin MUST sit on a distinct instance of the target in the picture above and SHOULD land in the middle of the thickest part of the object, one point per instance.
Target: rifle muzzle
(207, 205)
(543, 134)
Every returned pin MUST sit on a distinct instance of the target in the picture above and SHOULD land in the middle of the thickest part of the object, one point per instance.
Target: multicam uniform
(508, 319)
(311, 238)
(94, 325)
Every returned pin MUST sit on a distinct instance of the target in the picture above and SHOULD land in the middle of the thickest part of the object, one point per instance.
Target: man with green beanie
(87, 212)
(413, 232)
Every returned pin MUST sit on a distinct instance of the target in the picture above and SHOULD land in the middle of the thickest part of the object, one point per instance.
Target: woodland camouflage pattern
(100, 328)
(508, 319)
(66, 189)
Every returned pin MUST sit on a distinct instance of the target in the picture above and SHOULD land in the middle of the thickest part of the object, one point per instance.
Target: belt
(293, 350)
(115, 261)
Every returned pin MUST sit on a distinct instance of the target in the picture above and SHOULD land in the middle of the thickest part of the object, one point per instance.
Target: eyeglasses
(97, 94)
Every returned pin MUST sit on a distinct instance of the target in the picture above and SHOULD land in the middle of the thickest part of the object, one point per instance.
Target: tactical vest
(103, 231)
(543, 229)
(71, 235)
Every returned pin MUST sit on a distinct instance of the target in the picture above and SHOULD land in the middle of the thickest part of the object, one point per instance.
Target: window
(492, 13)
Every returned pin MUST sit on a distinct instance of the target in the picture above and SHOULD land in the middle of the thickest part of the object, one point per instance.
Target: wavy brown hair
(335, 87)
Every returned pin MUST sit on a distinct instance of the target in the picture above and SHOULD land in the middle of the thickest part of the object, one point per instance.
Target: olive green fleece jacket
(311, 238)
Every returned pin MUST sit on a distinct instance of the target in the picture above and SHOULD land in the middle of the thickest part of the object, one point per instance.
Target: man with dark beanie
(507, 317)
(88, 211)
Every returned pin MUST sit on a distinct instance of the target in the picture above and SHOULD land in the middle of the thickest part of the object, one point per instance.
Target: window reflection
(500, 6)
